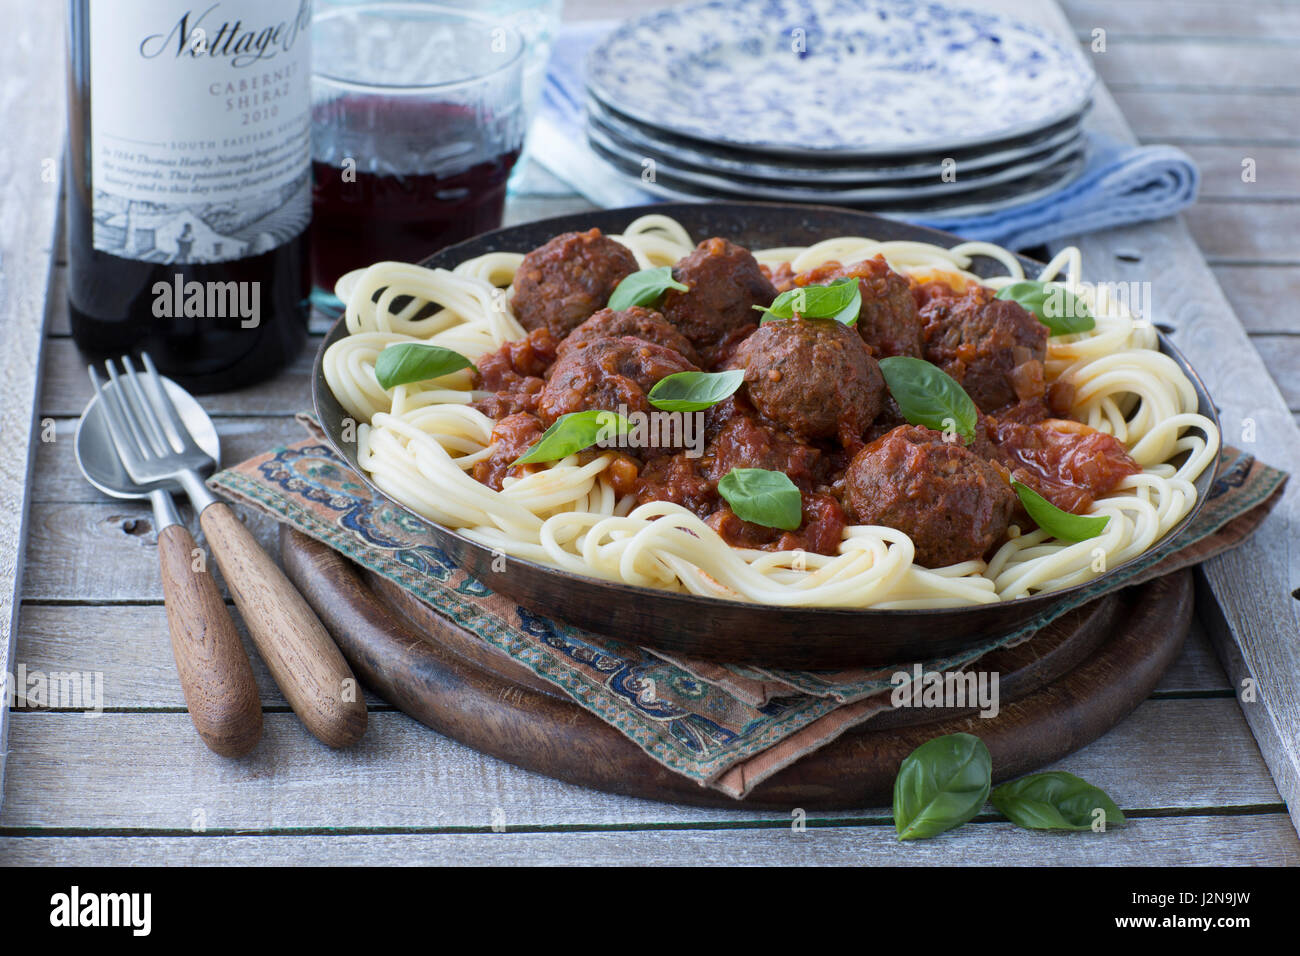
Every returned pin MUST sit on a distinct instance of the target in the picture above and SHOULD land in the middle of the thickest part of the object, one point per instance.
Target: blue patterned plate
(850, 77)
(724, 183)
(978, 202)
(827, 169)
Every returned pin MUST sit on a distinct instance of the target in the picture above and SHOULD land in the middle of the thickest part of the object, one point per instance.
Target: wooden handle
(295, 645)
(214, 670)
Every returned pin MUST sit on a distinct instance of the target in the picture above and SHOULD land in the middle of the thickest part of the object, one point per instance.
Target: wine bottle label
(200, 127)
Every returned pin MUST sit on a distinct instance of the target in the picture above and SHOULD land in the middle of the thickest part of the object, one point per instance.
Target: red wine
(367, 208)
(188, 184)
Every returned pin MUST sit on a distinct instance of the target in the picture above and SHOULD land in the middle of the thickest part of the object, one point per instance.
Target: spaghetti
(419, 443)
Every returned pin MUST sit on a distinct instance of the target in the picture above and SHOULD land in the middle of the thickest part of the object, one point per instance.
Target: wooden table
(135, 784)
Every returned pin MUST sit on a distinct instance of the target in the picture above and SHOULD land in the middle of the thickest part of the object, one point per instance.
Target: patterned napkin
(724, 726)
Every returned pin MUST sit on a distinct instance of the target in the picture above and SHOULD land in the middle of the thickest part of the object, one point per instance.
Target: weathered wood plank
(1270, 21)
(104, 552)
(61, 480)
(1212, 117)
(1281, 354)
(410, 777)
(1256, 840)
(1258, 665)
(30, 178)
(1265, 298)
(1276, 170)
(1134, 64)
(1246, 232)
(1196, 671)
(130, 647)
(67, 388)
(1170, 754)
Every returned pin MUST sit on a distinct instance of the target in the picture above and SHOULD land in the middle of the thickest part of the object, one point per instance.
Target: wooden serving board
(1067, 686)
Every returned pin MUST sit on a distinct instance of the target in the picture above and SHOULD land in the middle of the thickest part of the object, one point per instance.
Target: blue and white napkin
(1119, 184)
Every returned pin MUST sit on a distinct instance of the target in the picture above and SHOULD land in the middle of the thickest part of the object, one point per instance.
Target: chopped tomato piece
(1068, 463)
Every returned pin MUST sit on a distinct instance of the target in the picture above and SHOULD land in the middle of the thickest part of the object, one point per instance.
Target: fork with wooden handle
(217, 680)
(302, 658)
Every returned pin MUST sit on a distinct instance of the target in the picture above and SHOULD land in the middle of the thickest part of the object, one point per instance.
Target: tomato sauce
(1068, 463)
(993, 349)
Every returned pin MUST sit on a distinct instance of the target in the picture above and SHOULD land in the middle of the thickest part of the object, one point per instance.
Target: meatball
(814, 376)
(993, 347)
(745, 442)
(645, 324)
(888, 321)
(564, 282)
(725, 284)
(954, 505)
(612, 374)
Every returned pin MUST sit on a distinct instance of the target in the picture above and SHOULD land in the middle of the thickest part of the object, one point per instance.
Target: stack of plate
(888, 105)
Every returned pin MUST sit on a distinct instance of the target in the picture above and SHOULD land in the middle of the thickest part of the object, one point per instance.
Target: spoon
(215, 674)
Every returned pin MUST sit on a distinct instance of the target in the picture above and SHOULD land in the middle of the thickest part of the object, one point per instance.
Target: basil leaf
(841, 301)
(1056, 522)
(1054, 800)
(572, 433)
(940, 785)
(1055, 306)
(415, 362)
(764, 497)
(644, 288)
(929, 396)
(694, 391)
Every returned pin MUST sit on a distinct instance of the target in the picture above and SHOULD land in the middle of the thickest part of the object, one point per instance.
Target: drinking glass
(417, 121)
(538, 22)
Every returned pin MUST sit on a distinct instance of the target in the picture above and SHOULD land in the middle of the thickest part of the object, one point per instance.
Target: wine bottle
(189, 184)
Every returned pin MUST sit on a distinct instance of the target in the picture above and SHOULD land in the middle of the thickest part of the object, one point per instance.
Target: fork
(213, 667)
(155, 445)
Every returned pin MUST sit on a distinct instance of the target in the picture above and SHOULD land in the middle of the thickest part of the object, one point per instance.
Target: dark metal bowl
(712, 628)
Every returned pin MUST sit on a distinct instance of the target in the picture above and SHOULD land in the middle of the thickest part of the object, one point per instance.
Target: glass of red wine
(417, 120)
